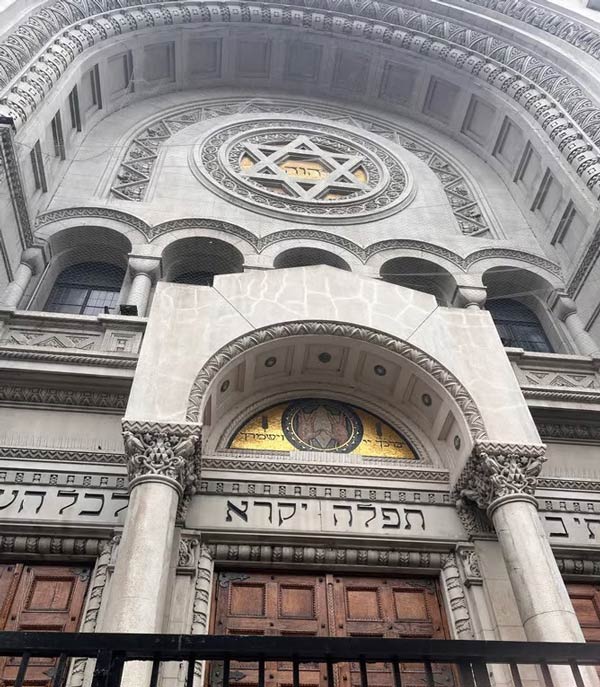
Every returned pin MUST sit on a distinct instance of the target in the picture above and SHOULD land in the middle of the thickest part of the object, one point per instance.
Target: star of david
(318, 172)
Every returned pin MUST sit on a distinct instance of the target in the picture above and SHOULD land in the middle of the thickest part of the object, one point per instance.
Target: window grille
(88, 288)
(518, 326)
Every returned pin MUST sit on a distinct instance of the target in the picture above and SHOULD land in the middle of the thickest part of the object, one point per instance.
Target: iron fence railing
(397, 662)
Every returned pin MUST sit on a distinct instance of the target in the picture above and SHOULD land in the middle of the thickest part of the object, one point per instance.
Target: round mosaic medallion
(320, 425)
(310, 170)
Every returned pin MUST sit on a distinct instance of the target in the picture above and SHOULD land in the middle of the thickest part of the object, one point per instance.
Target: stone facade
(313, 212)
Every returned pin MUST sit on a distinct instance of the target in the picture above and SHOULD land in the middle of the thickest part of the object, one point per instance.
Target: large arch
(441, 405)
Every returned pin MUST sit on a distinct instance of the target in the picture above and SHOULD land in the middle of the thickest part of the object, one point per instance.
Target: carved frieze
(497, 470)
(163, 450)
(568, 114)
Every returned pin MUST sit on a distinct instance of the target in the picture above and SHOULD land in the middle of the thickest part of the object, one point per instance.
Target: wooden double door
(328, 606)
(39, 598)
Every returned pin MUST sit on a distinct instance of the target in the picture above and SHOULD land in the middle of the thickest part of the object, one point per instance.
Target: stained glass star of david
(304, 170)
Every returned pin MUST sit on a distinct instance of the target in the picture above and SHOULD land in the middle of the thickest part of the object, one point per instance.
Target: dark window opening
(90, 288)
(518, 326)
(37, 166)
(57, 136)
(74, 109)
(196, 278)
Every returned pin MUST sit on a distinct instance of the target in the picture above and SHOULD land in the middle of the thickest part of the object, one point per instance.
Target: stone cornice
(166, 451)
(569, 116)
(496, 471)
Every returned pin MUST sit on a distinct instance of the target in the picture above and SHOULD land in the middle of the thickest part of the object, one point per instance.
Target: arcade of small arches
(93, 270)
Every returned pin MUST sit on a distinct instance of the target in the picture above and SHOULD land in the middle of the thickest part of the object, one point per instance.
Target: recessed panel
(478, 121)
(351, 71)
(303, 60)
(50, 594)
(296, 602)
(441, 99)
(253, 57)
(363, 603)
(410, 605)
(398, 83)
(204, 57)
(247, 600)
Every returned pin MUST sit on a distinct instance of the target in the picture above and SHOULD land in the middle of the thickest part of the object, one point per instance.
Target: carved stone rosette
(163, 450)
(498, 471)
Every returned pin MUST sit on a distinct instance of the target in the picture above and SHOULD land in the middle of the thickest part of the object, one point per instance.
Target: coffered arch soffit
(554, 98)
(373, 255)
(385, 375)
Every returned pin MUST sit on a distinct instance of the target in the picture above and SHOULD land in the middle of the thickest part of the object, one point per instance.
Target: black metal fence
(401, 663)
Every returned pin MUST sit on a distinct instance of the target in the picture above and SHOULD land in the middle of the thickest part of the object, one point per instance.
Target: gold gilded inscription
(304, 169)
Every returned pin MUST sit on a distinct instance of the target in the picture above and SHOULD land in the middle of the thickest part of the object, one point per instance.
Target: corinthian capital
(163, 451)
(496, 471)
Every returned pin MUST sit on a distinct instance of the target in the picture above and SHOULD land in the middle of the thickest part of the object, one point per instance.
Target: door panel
(39, 598)
(327, 605)
(270, 605)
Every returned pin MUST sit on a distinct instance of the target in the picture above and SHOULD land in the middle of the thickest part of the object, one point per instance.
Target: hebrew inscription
(218, 512)
(50, 503)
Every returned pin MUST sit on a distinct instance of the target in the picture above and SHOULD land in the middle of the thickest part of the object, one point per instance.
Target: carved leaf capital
(496, 470)
(163, 450)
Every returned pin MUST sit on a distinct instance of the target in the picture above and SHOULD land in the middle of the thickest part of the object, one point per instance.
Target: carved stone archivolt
(320, 327)
(163, 451)
(496, 471)
(569, 115)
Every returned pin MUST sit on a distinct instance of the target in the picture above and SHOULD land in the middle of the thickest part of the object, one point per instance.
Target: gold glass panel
(321, 425)
(246, 162)
(361, 174)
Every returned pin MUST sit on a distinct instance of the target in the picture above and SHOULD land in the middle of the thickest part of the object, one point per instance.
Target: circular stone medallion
(320, 425)
(310, 170)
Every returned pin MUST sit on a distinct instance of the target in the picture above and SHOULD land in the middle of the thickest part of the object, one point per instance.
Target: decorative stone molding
(260, 243)
(202, 590)
(578, 566)
(568, 483)
(324, 328)
(245, 463)
(550, 20)
(556, 101)
(62, 397)
(457, 601)
(318, 555)
(475, 521)
(92, 609)
(164, 451)
(10, 174)
(57, 454)
(469, 562)
(127, 362)
(496, 471)
(44, 545)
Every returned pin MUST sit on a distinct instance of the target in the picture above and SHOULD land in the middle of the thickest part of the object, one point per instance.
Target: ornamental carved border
(260, 243)
(135, 172)
(247, 342)
(568, 115)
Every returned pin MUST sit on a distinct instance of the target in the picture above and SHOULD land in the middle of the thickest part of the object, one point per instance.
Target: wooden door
(391, 608)
(327, 605)
(586, 602)
(39, 598)
(282, 605)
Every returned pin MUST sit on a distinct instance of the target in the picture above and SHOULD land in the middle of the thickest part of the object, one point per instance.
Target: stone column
(163, 466)
(143, 271)
(566, 310)
(501, 478)
(32, 262)
(201, 607)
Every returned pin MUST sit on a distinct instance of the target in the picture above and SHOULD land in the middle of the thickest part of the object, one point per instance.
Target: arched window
(518, 326)
(89, 288)
(197, 278)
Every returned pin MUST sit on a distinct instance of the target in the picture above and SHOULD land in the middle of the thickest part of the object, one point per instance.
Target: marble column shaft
(143, 272)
